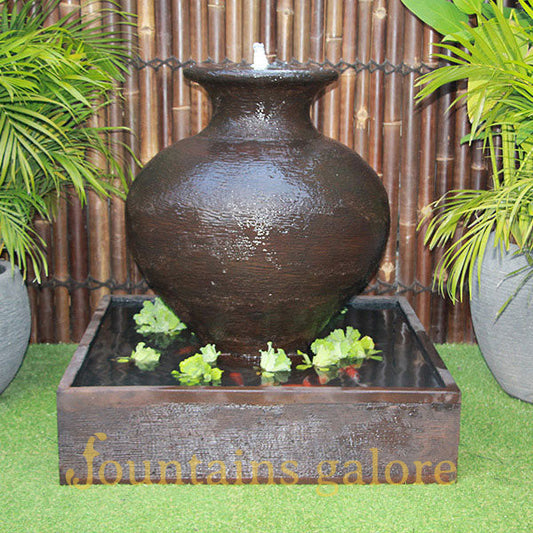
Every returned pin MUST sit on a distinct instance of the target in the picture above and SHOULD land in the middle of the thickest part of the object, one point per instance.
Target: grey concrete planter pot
(506, 342)
(15, 323)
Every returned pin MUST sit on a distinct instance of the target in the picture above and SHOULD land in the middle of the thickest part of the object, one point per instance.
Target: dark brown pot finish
(259, 228)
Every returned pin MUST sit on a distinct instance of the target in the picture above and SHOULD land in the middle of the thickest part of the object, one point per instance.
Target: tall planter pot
(259, 228)
(506, 341)
(15, 322)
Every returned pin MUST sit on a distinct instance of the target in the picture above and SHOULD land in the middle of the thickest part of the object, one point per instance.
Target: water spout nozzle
(260, 61)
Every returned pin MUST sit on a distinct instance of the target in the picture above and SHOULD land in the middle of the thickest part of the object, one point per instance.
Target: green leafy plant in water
(156, 317)
(144, 357)
(196, 371)
(209, 353)
(340, 347)
(199, 369)
(274, 361)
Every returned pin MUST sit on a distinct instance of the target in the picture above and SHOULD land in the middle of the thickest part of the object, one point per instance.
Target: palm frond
(495, 58)
(53, 79)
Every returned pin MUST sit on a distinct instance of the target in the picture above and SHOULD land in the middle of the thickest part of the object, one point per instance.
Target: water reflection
(404, 363)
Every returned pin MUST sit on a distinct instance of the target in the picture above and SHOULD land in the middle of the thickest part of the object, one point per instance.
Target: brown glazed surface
(259, 228)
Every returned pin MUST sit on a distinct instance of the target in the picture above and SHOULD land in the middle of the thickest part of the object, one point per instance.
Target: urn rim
(277, 72)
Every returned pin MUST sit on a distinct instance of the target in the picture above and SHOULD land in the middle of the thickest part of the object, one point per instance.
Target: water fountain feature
(258, 229)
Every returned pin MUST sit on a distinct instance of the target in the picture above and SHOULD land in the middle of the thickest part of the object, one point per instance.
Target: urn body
(259, 228)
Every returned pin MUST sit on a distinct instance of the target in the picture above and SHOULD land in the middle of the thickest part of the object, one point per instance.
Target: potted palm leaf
(489, 233)
(53, 79)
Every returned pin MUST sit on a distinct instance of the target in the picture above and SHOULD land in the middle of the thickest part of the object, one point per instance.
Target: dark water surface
(404, 362)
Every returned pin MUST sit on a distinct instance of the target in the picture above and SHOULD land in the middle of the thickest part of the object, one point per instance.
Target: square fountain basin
(396, 421)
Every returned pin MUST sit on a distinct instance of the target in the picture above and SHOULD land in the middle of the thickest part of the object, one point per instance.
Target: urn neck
(272, 104)
(260, 113)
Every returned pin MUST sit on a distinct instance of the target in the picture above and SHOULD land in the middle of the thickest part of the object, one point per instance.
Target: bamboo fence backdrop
(379, 48)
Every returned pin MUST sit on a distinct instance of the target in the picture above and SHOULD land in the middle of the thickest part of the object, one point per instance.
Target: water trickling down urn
(259, 228)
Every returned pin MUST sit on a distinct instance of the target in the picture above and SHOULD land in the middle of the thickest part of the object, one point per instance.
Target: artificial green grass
(493, 492)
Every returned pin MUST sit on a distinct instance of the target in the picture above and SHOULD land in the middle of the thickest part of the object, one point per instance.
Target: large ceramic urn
(259, 228)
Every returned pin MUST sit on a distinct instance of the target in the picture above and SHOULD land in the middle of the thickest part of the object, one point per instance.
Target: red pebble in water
(237, 378)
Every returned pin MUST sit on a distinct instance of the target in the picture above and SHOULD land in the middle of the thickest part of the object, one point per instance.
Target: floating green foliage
(274, 361)
(156, 317)
(144, 357)
(196, 371)
(209, 353)
(340, 347)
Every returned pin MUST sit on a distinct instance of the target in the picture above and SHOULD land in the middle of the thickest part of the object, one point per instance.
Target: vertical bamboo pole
(52, 18)
(478, 170)
(362, 89)
(268, 27)
(316, 52)
(478, 176)
(131, 112)
(163, 50)
(149, 105)
(347, 80)
(79, 267)
(98, 208)
(392, 128)
(59, 253)
(216, 10)
(181, 105)
(427, 185)
(469, 335)
(302, 27)
(119, 261)
(61, 271)
(198, 34)
(443, 182)
(457, 318)
(33, 295)
(377, 83)
(333, 53)
(77, 237)
(410, 159)
(234, 30)
(148, 100)
(45, 313)
(69, 7)
(376, 99)
(251, 27)
(285, 19)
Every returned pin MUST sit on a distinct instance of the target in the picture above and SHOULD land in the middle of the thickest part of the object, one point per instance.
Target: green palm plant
(53, 80)
(495, 56)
